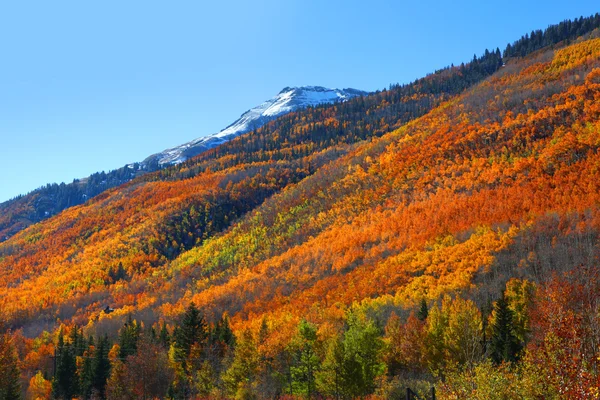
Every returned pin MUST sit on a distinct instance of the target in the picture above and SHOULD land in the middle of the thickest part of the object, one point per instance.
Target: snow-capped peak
(289, 99)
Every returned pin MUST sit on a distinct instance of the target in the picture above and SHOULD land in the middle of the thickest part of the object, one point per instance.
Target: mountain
(51, 199)
(441, 233)
(288, 100)
(161, 215)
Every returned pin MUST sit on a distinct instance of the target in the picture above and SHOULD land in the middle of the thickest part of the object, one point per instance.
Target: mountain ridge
(287, 100)
(363, 235)
(46, 201)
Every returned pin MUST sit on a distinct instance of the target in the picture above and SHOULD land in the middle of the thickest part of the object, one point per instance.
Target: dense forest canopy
(443, 234)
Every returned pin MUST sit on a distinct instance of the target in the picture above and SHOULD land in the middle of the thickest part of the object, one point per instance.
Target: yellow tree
(463, 336)
(39, 387)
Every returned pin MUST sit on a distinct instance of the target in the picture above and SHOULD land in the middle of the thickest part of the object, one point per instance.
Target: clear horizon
(92, 87)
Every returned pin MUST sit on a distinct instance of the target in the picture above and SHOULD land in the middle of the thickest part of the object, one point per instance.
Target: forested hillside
(439, 234)
(163, 214)
(49, 200)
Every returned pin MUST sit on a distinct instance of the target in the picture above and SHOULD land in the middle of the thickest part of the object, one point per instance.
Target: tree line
(565, 31)
(365, 355)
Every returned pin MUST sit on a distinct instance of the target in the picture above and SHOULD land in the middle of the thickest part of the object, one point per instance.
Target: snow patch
(289, 99)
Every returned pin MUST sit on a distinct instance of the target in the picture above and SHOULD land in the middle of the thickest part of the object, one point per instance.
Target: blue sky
(87, 86)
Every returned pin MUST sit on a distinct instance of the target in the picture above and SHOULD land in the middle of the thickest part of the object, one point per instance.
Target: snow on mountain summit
(289, 99)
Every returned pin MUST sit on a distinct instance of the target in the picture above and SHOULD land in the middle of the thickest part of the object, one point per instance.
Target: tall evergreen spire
(504, 345)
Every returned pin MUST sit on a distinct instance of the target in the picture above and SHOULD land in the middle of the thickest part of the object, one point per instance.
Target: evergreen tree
(486, 312)
(222, 332)
(77, 340)
(86, 376)
(191, 330)
(305, 360)
(85, 372)
(554, 34)
(10, 377)
(504, 344)
(221, 342)
(64, 384)
(128, 337)
(117, 274)
(163, 337)
(423, 311)
(101, 367)
(263, 333)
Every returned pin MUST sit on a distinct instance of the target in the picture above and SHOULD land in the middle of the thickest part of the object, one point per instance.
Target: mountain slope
(399, 178)
(332, 164)
(19, 213)
(425, 210)
(49, 200)
(66, 265)
(289, 99)
(311, 234)
(347, 217)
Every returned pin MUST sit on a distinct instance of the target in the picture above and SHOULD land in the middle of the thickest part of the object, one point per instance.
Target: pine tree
(263, 333)
(77, 341)
(222, 332)
(423, 311)
(64, 385)
(504, 344)
(117, 273)
(128, 337)
(85, 372)
(10, 377)
(101, 367)
(85, 377)
(164, 337)
(192, 330)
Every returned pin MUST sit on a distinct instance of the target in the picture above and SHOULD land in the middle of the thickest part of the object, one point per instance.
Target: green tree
(222, 333)
(100, 367)
(78, 342)
(10, 377)
(330, 376)
(505, 345)
(191, 330)
(65, 383)
(463, 338)
(305, 360)
(86, 374)
(363, 347)
(519, 296)
(434, 347)
(423, 310)
(116, 274)
(240, 376)
(204, 380)
(128, 337)
(163, 337)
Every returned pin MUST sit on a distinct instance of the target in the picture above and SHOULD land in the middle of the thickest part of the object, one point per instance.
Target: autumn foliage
(321, 234)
